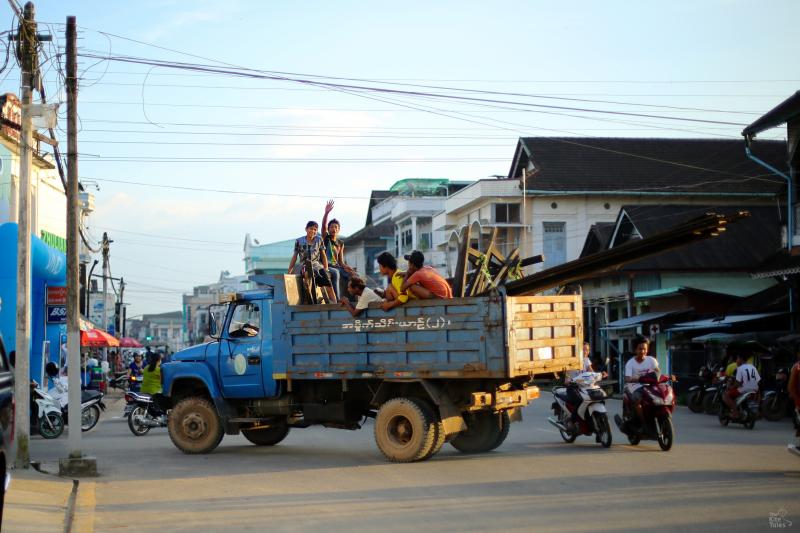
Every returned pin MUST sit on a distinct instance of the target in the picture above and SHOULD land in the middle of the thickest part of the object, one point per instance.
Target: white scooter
(592, 417)
(47, 415)
(91, 400)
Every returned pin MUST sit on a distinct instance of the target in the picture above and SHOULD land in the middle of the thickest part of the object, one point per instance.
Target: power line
(251, 73)
(159, 236)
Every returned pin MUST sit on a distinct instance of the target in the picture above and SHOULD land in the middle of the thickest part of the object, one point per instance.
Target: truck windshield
(245, 321)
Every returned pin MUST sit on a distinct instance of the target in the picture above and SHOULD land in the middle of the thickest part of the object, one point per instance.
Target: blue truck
(428, 372)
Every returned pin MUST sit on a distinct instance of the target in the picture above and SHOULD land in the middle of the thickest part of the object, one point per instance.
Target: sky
(265, 154)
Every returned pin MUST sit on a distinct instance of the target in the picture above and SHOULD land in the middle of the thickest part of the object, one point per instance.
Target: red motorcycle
(658, 403)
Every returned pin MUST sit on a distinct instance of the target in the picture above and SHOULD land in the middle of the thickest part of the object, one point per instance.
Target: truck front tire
(194, 426)
(267, 436)
(485, 432)
(405, 430)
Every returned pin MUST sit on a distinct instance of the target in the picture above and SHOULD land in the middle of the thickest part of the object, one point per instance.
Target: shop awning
(725, 322)
(129, 342)
(633, 321)
(96, 338)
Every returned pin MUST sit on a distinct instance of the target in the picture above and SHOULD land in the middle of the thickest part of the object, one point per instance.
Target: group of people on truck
(324, 255)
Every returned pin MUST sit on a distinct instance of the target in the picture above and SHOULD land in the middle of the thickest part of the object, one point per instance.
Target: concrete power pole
(105, 247)
(75, 464)
(27, 55)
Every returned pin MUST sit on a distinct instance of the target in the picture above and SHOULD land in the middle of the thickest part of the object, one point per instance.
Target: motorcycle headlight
(658, 401)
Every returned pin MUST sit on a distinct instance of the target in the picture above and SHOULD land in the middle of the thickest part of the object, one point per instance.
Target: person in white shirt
(746, 380)
(639, 365)
(358, 288)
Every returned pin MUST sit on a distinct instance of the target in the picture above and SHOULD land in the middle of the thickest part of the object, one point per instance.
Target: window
(246, 320)
(555, 243)
(506, 213)
(424, 241)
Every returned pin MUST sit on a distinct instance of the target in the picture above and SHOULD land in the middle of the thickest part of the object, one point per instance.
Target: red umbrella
(96, 338)
(129, 342)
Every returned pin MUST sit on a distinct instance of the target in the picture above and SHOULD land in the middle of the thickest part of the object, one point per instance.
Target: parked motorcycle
(775, 403)
(697, 393)
(143, 413)
(592, 418)
(47, 415)
(91, 400)
(658, 403)
(747, 404)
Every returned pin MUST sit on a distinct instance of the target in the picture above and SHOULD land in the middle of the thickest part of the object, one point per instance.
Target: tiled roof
(742, 247)
(570, 164)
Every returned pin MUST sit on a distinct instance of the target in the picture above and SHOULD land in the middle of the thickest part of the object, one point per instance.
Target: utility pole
(106, 243)
(75, 464)
(27, 52)
(121, 329)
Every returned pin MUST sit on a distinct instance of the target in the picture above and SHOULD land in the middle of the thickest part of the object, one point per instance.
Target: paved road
(337, 480)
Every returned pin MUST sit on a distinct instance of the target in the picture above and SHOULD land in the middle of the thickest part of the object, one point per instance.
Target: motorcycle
(712, 395)
(775, 403)
(658, 404)
(47, 416)
(143, 413)
(592, 417)
(91, 400)
(697, 393)
(747, 404)
(135, 382)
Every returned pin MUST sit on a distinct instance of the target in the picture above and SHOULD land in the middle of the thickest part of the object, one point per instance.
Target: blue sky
(729, 55)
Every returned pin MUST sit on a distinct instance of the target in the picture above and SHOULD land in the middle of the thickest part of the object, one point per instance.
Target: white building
(483, 205)
(411, 211)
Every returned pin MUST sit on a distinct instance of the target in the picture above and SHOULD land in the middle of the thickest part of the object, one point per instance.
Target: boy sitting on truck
(424, 282)
(358, 289)
(310, 248)
(393, 296)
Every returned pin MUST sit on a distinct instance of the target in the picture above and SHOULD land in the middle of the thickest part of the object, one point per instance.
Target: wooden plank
(460, 278)
(543, 323)
(543, 343)
(545, 316)
(545, 299)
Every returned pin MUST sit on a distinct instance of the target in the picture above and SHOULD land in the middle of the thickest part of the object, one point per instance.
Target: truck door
(240, 352)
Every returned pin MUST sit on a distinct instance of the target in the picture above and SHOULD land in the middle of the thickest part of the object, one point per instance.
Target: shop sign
(56, 314)
(56, 296)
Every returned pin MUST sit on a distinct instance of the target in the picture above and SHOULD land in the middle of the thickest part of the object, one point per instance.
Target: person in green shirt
(151, 377)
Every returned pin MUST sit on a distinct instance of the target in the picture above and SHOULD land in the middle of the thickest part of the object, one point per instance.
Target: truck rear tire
(267, 436)
(194, 426)
(439, 435)
(405, 430)
(505, 426)
(485, 432)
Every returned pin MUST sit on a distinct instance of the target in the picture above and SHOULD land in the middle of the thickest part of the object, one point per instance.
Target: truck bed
(493, 336)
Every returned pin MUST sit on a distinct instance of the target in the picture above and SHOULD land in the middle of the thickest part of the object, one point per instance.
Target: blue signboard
(56, 314)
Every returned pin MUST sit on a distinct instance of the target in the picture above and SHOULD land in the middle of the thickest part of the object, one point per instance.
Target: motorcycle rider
(151, 376)
(572, 389)
(794, 391)
(135, 369)
(637, 366)
(746, 380)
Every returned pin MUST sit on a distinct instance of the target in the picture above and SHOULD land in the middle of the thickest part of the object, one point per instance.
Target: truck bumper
(501, 400)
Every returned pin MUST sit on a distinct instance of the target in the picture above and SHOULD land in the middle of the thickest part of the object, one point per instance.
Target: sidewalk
(42, 502)
(36, 502)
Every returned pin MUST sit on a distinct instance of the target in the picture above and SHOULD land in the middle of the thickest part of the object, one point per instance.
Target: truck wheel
(404, 430)
(438, 427)
(483, 432)
(267, 436)
(505, 426)
(194, 426)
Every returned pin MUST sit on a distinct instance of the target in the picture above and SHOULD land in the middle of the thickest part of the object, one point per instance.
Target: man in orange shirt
(424, 282)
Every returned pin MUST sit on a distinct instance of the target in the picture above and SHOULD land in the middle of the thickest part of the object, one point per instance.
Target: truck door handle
(253, 360)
